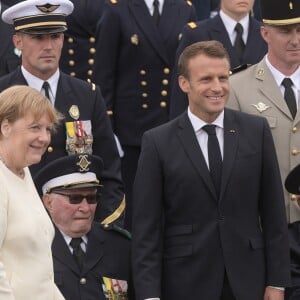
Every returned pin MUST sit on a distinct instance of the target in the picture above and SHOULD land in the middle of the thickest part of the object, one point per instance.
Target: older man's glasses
(78, 198)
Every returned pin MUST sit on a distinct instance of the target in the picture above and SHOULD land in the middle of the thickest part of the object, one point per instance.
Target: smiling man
(87, 256)
(208, 205)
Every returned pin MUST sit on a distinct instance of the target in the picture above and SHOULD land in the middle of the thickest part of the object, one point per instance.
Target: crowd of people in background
(135, 88)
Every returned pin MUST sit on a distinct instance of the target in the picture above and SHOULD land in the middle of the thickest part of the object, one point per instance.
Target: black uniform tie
(156, 14)
(239, 44)
(214, 156)
(46, 88)
(78, 253)
(289, 96)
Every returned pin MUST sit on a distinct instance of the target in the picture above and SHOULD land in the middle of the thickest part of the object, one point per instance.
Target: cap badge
(261, 107)
(83, 163)
(74, 112)
(47, 8)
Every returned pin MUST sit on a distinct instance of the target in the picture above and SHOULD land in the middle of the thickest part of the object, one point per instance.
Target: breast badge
(134, 39)
(261, 107)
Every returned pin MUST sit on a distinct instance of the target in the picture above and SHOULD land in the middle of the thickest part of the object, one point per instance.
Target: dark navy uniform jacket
(134, 63)
(107, 255)
(78, 53)
(87, 97)
(214, 29)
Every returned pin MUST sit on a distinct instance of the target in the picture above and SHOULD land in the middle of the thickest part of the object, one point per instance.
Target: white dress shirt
(149, 4)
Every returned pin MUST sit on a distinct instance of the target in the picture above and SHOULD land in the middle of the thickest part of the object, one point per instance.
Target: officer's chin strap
(116, 214)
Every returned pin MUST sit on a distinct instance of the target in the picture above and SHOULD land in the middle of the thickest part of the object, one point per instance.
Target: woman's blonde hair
(18, 100)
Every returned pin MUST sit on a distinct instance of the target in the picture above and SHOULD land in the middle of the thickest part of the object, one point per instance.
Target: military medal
(74, 112)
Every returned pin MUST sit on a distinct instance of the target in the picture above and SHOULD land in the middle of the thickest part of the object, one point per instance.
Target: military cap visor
(39, 16)
(280, 12)
(70, 172)
(292, 182)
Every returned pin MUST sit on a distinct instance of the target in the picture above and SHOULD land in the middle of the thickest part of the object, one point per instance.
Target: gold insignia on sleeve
(261, 107)
(192, 25)
(47, 8)
(74, 112)
(134, 39)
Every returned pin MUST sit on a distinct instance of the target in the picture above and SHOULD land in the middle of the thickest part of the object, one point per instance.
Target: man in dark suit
(222, 28)
(79, 50)
(135, 57)
(91, 261)
(9, 55)
(86, 126)
(209, 227)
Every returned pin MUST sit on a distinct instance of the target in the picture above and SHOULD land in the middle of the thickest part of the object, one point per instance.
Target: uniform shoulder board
(192, 25)
(118, 229)
(239, 68)
(189, 3)
(113, 1)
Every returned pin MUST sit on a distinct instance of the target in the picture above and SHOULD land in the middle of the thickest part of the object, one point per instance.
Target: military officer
(79, 50)
(136, 44)
(39, 28)
(98, 267)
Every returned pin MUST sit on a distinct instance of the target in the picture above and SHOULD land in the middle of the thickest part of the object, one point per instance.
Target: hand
(273, 294)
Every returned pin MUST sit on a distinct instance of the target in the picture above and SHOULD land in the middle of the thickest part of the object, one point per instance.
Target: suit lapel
(143, 19)
(63, 98)
(191, 146)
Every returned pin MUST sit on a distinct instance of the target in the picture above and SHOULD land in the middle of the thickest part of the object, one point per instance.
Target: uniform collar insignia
(261, 107)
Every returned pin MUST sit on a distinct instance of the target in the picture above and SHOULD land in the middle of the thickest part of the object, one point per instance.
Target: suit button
(70, 40)
(142, 72)
(165, 82)
(166, 71)
(92, 39)
(294, 130)
(163, 104)
(71, 51)
(91, 61)
(164, 93)
(92, 50)
(71, 63)
(145, 106)
(50, 149)
(143, 83)
(144, 95)
(90, 72)
(295, 152)
(82, 280)
(73, 74)
(293, 197)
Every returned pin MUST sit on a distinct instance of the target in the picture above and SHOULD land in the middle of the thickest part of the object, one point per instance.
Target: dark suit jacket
(9, 60)
(184, 237)
(134, 62)
(214, 29)
(78, 54)
(72, 91)
(107, 255)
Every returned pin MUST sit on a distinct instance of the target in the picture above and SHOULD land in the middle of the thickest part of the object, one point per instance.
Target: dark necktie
(239, 44)
(78, 253)
(214, 156)
(46, 88)
(289, 96)
(156, 14)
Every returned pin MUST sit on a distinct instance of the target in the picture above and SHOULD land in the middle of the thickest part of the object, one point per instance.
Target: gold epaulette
(116, 214)
(192, 25)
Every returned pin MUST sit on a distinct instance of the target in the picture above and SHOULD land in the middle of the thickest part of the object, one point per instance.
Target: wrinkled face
(237, 9)
(40, 53)
(207, 87)
(26, 139)
(283, 45)
(75, 220)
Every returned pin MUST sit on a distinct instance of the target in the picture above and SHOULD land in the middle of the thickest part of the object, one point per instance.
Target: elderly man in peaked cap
(39, 27)
(91, 261)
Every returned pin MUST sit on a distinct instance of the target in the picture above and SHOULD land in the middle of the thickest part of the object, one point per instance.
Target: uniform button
(143, 83)
(144, 95)
(145, 106)
(91, 61)
(70, 40)
(71, 63)
(142, 72)
(50, 149)
(164, 93)
(163, 104)
(71, 51)
(294, 129)
(73, 74)
(92, 50)
(89, 80)
(90, 72)
(295, 151)
(166, 71)
(92, 39)
(165, 82)
(293, 197)
(82, 280)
